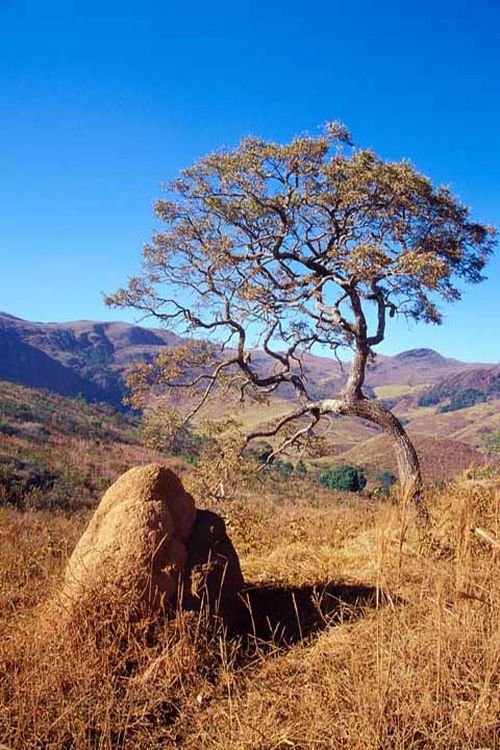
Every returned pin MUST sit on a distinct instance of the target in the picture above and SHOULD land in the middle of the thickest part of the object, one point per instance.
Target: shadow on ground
(271, 615)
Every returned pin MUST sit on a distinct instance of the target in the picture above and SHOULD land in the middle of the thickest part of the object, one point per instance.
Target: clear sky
(101, 102)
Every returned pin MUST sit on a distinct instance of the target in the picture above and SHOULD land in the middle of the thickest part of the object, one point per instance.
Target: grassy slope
(466, 425)
(395, 389)
(441, 457)
(84, 446)
(401, 652)
(80, 447)
(447, 443)
(387, 645)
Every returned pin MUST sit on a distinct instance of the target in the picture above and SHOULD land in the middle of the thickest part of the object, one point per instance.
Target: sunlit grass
(415, 667)
(395, 389)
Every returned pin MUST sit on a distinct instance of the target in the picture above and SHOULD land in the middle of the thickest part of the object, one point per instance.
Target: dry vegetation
(358, 638)
(61, 453)
(441, 457)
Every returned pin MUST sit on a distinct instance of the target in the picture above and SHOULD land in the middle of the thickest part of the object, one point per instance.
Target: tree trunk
(408, 464)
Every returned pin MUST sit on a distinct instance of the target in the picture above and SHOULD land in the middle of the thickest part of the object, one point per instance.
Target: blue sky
(101, 102)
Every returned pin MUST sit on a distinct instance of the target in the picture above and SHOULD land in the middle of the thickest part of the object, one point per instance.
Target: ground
(361, 636)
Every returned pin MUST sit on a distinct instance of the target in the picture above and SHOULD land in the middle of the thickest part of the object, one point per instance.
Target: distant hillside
(89, 359)
(57, 452)
(81, 358)
(469, 425)
(463, 389)
(441, 457)
(414, 367)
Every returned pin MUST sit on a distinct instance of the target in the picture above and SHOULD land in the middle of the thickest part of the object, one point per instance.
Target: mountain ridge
(90, 358)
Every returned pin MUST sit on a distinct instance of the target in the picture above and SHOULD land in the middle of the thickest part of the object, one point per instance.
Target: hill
(57, 452)
(80, 358)
(414, 367)
(90, 358)
(441, 457)
(451, 406)
(462, 389)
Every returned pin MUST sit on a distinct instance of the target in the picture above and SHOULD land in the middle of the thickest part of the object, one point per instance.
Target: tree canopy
(284, 247)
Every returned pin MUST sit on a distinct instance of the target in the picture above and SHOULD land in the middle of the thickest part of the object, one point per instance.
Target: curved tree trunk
(408, 463)
(356, 404)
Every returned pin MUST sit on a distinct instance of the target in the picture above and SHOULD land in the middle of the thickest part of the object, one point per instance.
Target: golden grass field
(361, 636)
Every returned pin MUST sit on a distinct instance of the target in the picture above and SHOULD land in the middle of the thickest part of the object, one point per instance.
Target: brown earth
(135, 542)
(146, 542)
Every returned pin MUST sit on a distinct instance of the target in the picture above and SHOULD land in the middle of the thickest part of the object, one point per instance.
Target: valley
(448, 407)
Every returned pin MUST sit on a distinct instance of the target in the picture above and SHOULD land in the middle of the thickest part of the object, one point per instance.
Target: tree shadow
(270, 616)
(261, 616)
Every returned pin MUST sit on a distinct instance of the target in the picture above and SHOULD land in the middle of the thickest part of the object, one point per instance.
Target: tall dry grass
(413, 666)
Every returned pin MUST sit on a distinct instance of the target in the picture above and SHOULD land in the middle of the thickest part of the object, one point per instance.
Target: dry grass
(382, 645)
(394, 389)
(441, 457)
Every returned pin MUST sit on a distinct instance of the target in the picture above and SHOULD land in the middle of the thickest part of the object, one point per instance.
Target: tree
(284, 248)
(344, 478)
(463, 399)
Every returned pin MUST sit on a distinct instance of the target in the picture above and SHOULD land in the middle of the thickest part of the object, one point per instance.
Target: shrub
(491, 443)
(389, 403)
(266, 455)
(385, 481)
(70, 487)
(34, 431)
(343, 478)
(162, 432)
(19, 477)
(19, 411)
(285, 469)
(8, 429)
(430, 397)
(301, 469)
(189, 444)
(494, 386)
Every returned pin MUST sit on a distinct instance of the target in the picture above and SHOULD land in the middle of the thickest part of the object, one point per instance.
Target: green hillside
(58, 452)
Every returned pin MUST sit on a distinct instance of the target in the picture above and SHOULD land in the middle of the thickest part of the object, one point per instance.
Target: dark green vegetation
(344, 478)
(464, 399)
(386, 480)
(463, 390)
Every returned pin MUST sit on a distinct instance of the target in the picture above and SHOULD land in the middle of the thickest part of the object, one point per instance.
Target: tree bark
(356, 404)
(410, 476)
